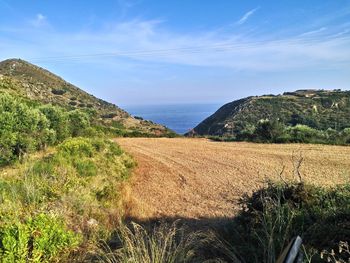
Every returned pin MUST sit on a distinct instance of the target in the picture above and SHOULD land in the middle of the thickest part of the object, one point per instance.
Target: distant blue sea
(180, 118)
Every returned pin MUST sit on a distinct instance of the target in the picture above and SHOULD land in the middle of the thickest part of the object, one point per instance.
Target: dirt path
(197, 178)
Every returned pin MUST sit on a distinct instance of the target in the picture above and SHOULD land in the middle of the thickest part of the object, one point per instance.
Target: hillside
(23, 79)
(318, 109)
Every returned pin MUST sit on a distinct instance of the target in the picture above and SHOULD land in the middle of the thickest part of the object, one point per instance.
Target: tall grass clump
(163, 244)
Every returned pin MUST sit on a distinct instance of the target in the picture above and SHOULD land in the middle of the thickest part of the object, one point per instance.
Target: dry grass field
(198, 178)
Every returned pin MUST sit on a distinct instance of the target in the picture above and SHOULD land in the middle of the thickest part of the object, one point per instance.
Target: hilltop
(23, 79)
(318, 109)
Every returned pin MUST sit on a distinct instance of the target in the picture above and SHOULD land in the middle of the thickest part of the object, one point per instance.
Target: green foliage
(25, 127)
(42, 238)
(304, 134)
(273, 131)
(318, 109)
(77, 147)
(274, 215)
(78, 122)
(58, 119)
(85, 167)
(269, 131)
(22, 129)
(79, 181)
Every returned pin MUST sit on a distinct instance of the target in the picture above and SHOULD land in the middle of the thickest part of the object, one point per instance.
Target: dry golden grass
(196, 178)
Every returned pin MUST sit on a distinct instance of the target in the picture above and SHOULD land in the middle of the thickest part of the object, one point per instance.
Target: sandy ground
(198, 178)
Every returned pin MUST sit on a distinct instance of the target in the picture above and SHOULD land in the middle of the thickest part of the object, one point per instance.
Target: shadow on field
(192, 224)
(270, 218)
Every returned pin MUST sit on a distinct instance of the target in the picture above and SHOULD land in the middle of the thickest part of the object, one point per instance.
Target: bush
(85, 167)
(78, 122)
(79, 182)
(42, 238)
(273, 131)
(27, 128)
(77, 147)
(22, 129)
(58, 121)
(272, 216)
(269, 131)
(58, 91)
(303, 133)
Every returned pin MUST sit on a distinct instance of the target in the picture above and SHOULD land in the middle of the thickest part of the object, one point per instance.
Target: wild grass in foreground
(55, 207)
(270, 218)
(165, 243)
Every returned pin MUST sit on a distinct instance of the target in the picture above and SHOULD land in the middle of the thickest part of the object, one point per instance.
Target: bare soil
(198, 178)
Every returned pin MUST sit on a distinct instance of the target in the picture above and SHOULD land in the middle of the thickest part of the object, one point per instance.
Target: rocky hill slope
(319, 109)
(21, 78)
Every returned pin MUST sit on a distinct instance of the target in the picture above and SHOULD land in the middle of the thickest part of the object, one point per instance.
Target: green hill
(318, 109)
(22, 79)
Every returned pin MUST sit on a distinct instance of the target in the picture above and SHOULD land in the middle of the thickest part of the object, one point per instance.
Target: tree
(22, 129)
(58, 121)
(78, 122)
(269, 130)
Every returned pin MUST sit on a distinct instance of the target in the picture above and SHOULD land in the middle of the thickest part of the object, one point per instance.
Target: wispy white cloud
(148, 41)
(313, 32)
(136, 56)
(39, 20)
(245, 17)
(126, 5)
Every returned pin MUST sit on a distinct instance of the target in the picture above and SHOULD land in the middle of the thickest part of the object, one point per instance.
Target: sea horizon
(180, 117)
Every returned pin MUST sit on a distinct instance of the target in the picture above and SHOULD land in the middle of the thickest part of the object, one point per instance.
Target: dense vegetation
(60, 175)
(303, 116)
(22, 79)
(62, 201)
(26, 127)
(274, 131)
(272, 216)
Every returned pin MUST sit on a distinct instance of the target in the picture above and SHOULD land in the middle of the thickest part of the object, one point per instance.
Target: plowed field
(198, 178)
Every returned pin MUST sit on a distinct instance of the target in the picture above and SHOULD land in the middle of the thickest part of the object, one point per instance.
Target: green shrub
(42, 238)
(77, 147)
(274, 215)
(22, 129)
(85, 167)
(77, 182)
(274, 131)
(78, 122)
(270, 131)
(303, 133)
(58, 121)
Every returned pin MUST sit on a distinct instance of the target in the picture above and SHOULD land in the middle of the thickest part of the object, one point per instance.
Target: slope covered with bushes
(304, 111)
(26, 127)
(61, 202)
(22, 79)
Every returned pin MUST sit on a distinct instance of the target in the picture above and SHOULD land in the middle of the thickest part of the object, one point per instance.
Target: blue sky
(198, 51)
